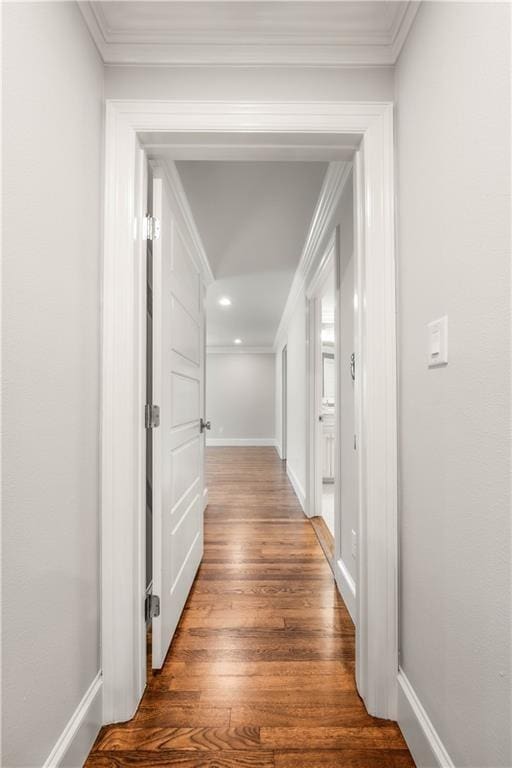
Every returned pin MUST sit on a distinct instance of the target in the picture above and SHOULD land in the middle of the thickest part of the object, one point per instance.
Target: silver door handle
(353, 366)
(205, 425)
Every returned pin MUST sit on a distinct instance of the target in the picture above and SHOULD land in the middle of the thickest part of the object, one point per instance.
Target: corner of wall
(297, 487)
(346, 586)
(75, 742)
(422, 738)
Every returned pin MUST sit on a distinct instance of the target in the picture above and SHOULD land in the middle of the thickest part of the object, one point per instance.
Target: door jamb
(284, 402)
(314, 377)
(122, 424)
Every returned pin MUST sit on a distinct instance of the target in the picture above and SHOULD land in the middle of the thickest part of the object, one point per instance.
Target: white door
(178, 445)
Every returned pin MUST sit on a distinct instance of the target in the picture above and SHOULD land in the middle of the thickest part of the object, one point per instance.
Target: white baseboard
(278, 448)
(297, 487)
(77, 738)
(422, 738)
(215, 442)
(205, 498)
(347, 587)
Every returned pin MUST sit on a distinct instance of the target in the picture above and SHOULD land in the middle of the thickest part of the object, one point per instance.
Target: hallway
(260, 671)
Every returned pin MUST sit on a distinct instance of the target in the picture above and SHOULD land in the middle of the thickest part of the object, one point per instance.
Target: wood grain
(325, 538)
(260, 673)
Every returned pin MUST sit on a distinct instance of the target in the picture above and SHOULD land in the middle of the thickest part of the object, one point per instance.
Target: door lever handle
(204, 425)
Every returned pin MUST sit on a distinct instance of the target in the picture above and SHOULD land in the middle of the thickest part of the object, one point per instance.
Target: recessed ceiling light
(238, 341)
(225, 301)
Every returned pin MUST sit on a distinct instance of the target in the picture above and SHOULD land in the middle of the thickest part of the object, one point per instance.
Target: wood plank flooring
(260, 673)
(325, 538)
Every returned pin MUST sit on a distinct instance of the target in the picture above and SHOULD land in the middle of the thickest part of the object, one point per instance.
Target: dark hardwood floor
(260, 673)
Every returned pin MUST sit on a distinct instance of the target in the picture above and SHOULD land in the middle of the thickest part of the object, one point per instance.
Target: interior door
(178, 444)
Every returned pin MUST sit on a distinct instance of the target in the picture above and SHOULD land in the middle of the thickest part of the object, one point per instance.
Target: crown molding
(95, 29)
(332, 188)
(403, 28)
(172, 177)
(299, 48)
(239, 350)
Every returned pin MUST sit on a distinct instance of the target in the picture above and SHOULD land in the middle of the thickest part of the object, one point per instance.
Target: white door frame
(123, 382)
(327, 263)
(284, 402)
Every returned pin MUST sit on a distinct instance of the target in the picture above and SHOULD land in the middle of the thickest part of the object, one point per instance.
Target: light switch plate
(437, 351)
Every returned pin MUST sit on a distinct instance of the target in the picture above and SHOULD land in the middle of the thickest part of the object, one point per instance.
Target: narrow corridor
(261, 669)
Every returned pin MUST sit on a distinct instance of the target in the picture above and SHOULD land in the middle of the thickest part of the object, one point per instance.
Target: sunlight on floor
(328, 505)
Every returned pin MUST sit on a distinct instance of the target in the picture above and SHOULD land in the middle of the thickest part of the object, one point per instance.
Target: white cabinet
(327, 440)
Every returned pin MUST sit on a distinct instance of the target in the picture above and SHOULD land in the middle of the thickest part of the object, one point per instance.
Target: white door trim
(123, 382)
(314, 383)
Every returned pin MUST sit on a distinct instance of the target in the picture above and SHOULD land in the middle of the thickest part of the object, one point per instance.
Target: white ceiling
(262, 32)
(253, 219)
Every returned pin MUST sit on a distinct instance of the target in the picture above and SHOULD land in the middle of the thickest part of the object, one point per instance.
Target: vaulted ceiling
(245, 32)
(253, 219)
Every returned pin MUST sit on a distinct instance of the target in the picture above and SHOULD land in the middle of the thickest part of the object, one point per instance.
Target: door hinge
(151, 416)
(151, 607)
(150, 228)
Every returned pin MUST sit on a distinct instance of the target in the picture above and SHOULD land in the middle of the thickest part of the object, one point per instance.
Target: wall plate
(437, 349)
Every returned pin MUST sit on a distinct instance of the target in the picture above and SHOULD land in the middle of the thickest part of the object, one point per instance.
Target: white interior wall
(259, 83)
(52, 132)
(240, 398)
(453, 95)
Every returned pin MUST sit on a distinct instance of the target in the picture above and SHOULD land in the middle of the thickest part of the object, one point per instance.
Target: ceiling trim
(235, 48)
(239, 350)
(332, 188)
(403, 29)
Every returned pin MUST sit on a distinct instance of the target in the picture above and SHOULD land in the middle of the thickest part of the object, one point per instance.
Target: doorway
(323, 454)
(369, 127)
(327, 448)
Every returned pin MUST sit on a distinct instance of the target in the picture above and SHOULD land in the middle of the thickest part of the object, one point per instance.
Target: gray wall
(240, 395)
(52, 123)
(453, 94)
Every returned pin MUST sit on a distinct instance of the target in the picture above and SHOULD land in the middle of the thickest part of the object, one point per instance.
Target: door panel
(188, 288)
(184, 399)
(183, 538)
(187, 333)
(178, 445)
(185, 468)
